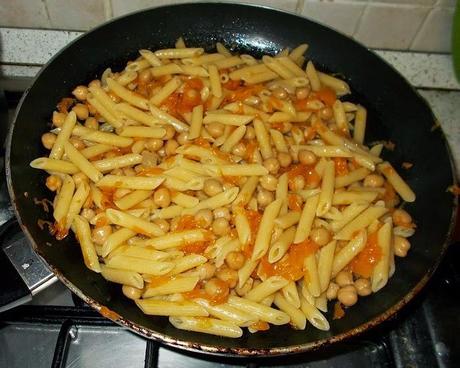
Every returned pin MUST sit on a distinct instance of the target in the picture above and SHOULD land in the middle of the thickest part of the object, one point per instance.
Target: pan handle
(23, 272)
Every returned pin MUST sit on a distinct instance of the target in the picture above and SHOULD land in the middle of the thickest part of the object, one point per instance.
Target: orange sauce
(199, 292)
(107, 196)
(260, 326)
(241, 93)
(254, 218)
(327, 96)
(294, 202)
(231, 179)
(150, 171)
(106, 312)
(59, 230)
(232, 85)
(102, 221)
(196, 247)
(390, 195)
(309, 173)
(341, 166)
(250, 149)
(338, 311)
(64, 104)
(159, 280)
(310, 133)
(363, 264)
(202, 142)
(291, 265)
(191, 96)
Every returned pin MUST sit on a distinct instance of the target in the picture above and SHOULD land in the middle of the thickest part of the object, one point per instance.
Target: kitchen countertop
(24, 51)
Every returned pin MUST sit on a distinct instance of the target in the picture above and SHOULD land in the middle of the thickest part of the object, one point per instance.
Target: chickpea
(153, 144)
(264, 197)
(77, 143)
(331, 292)
(284, 159)
(53, 183)
(347, 295)
(81, 111)
(326, 113)
(220, 226)
(229, 276)
(91, 123)
(307, 157)
(401, 218)
(48, 140)
(170, 132)
(302, 93)
(131, 292)
(80, 92)
(222, 212)
(58, 118)
(206, 271)
(320, 236)
(128, 171)
(297, 183)
(215, 129)
(149, 159)
(79, 178)
(401, 246)
(242, 291)
(204, 218)
(344, 278)
(363, 287)
(279, 93)
(212, 187)
(269, 182)
(240, 150)
(100, 234)
(162, 197)
(161, 152)
(182, 138)
(373, 181)
(145, 76)
(250, 133)
(216, 288)
(162, 224)
(170, 147)
(88, 213)
(235, 260)
(272, 165)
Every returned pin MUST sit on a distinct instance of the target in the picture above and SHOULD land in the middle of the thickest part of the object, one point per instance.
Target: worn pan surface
(396, 113)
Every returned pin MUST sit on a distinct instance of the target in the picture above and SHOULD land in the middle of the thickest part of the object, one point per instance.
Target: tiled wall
(421, 25)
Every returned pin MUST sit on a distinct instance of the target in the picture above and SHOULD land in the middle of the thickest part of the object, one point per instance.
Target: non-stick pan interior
(396, 113)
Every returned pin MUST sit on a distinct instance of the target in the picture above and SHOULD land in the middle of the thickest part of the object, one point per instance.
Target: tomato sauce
(309, 173)
(327, 96)
(254, 218)
(291, 266)
(338, 311)
(260, 326)
(363, 264)
(341, 166)
(295, 202)
(199, 292)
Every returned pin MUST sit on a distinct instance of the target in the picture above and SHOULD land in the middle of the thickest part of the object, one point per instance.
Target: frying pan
(396, 113)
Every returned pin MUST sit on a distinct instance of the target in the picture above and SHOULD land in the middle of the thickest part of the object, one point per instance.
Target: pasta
(227, 192)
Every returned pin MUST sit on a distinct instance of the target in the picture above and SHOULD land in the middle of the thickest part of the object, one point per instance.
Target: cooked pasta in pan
(226, 192)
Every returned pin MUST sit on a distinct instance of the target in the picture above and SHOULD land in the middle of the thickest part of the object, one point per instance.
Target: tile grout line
(420, 27)
(48, 17)
(360, 21)
(108, 10)
(299, 7)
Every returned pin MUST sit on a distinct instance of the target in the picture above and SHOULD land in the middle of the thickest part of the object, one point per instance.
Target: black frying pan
(396, 113)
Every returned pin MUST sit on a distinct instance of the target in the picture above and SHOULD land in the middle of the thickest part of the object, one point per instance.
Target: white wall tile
(23, 13)
(410, 2)
(436, 32)
(78, 15)
(389, 26)
(448, 3)
(341, 16)
(121, 7)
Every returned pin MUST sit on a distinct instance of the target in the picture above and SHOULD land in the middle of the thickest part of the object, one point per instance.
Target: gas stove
(57, 329)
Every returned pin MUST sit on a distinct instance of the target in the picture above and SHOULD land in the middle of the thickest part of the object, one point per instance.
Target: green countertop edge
(456, 41)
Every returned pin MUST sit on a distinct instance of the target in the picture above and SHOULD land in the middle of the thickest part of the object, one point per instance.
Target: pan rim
(233, 352)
